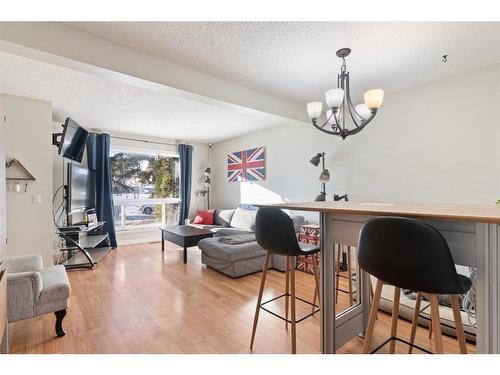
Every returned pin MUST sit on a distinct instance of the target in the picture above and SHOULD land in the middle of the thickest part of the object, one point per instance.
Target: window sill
(141, 228)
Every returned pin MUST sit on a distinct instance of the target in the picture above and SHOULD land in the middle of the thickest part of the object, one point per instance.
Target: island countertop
(481, 213)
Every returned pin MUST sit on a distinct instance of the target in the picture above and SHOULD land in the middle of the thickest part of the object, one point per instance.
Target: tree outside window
(145, 188)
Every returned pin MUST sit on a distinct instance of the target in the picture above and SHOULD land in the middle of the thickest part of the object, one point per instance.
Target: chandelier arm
(347, 96)
(356, 130)
(363, 124)
(356, 112)
(370, 118)
(337, 121)
(350, 106)
(331, 132)
(351, 110)
(327, 120)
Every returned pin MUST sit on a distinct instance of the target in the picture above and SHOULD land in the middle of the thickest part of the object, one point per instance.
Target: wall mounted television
(80, 194)
(73, 140)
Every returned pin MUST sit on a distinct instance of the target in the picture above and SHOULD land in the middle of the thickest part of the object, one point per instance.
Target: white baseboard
(133, 236)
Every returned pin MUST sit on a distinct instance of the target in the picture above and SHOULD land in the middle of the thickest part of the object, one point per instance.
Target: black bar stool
(413, 255)
(275, 233)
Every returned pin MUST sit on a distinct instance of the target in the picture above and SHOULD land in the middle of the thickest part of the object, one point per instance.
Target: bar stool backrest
(275, 233)
(408, 254)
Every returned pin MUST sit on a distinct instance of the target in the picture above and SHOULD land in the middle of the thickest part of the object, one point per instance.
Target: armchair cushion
(23, 263)
(23, 292)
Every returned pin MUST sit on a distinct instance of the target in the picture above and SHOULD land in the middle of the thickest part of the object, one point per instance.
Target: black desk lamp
(324, 177)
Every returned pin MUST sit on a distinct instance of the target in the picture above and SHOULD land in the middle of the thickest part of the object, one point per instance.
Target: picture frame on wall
(246, 165)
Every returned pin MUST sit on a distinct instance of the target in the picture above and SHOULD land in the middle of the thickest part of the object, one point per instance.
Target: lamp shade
(316, 159)
(373, 98)
(314, 110)
(331, 117)
(207, 182)
(363, 111)
(207, 171)
(334, 98)
(324, 176)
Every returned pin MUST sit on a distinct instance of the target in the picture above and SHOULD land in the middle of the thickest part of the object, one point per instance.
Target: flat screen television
(73, 140)
(80, 193)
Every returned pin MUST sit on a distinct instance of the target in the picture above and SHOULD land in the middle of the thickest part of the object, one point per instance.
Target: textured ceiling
(296, 60)
(105, 104)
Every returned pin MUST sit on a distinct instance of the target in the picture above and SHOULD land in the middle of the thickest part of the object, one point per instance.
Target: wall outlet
(37, 198)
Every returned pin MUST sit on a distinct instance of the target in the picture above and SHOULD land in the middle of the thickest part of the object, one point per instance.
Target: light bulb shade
(315, 159)
(331, 117)
(363, 111)
(334, 98)
(373, 98)
(207, 182)
(314, 110)
(207, 171)
(324, 176)
(321, 197)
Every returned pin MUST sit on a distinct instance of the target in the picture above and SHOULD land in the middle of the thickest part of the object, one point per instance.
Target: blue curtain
(98, 160)
(186, 162)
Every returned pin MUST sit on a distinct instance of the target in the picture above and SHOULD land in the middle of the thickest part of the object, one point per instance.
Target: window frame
(143, 148)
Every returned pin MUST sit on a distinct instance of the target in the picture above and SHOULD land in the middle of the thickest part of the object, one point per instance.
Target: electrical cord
(54, 213)
(469, 299)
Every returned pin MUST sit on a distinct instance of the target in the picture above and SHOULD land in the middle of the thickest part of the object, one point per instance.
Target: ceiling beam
(71, 44)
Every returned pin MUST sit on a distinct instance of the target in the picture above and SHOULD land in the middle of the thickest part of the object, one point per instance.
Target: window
(145, 188)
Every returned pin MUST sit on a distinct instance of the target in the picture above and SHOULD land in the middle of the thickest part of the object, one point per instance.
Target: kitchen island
(472, 233)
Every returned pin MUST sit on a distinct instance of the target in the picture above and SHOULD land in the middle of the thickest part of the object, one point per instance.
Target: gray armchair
(33, 290)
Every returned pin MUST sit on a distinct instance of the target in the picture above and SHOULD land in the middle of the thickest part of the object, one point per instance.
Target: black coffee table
(183, 235)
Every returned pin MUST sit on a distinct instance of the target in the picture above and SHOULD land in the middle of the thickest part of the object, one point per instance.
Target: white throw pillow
(243, 219)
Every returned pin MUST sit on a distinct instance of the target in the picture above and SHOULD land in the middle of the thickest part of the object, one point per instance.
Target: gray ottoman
(236, 260)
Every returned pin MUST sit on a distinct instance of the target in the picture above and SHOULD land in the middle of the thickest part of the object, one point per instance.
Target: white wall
(434, 143)
(28, 139)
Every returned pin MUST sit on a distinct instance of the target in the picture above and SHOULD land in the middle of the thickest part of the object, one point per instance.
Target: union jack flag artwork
(246, 165)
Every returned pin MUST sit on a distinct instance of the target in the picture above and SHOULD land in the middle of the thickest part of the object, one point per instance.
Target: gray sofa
(237, 259)
(33, 290)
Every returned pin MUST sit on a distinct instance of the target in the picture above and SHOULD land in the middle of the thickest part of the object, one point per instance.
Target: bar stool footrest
(394, 338)
(288, 320)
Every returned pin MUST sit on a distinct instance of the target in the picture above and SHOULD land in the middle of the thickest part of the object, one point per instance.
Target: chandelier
(340, 106)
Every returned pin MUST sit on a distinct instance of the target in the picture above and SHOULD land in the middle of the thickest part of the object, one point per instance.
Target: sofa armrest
(25, 263)
(23, 292)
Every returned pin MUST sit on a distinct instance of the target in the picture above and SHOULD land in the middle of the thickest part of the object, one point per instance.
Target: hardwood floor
(140, 300)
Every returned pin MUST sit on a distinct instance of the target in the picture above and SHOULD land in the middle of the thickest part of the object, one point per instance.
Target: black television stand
(82, 245)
